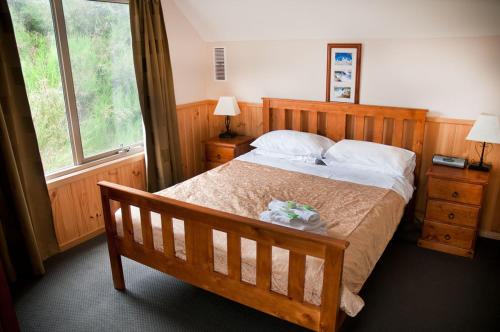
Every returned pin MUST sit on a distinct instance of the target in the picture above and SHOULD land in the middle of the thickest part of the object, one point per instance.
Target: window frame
(80, 162)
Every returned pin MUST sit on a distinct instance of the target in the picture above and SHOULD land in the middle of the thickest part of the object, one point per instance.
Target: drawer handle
(447, 237)
(454, 194)
(451, 216)
(218, 156)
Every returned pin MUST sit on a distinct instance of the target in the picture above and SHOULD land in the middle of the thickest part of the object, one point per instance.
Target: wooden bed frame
(402, 127)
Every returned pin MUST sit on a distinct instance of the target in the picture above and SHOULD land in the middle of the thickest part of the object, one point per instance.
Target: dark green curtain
(26, 228)
(156, 93)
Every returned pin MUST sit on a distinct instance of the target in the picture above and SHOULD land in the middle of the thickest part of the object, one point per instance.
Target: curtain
(156, 93)
(26, 228)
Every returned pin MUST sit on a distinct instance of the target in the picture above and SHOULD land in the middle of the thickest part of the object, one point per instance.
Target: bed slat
(418, 143)
(296, 120)
(263, 275)
(296, 276)
(234, 256)
(147, 230)
(128, 230)
(378, 129)
(202, 247)
(359, 127)
(312, 124)
(189, 240)
(280, 119)
(397, 133)
(167, 233)
(335, 126)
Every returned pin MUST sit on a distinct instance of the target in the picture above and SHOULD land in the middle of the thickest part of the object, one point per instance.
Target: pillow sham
(294, 143)
(384, 158)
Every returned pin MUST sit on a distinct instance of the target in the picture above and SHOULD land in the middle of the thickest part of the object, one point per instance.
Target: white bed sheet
(339, 171)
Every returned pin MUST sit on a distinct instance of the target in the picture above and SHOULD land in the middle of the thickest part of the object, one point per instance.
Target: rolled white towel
(284, 219)
(304, 212)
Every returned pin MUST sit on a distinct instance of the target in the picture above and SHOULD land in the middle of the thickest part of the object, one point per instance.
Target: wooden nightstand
(221, 150)
(454, 201)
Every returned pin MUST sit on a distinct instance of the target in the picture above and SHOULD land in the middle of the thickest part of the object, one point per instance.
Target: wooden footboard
(198, 268)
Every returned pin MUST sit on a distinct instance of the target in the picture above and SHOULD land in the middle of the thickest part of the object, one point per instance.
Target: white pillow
(294, 143)
(385, 158)
(278, 155)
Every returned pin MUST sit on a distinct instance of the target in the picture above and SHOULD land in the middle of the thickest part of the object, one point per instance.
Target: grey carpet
(411, 289)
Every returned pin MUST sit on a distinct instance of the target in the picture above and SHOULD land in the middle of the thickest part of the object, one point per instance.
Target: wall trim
(437, 119)
(78, 175)
(193, 104)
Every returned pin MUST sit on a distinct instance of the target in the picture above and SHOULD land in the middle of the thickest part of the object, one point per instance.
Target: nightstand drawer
(219, 154)
(451, 235)
(455, 191)
(452, 213)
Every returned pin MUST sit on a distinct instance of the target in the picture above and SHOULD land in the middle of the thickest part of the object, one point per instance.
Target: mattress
(361, 207)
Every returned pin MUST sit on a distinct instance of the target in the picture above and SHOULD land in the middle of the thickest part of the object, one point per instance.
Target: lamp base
(480, 167)
(227, 134)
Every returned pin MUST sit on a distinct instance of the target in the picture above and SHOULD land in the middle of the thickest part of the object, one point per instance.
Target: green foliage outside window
(100, 50)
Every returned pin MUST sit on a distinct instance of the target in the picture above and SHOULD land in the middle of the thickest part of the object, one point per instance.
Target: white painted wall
(455, 77)
(187, 54)
(238, 20)
(452, 77)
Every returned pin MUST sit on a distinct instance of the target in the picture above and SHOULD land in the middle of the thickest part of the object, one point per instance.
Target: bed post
(417, 147)
(330, 314)
(114, 256)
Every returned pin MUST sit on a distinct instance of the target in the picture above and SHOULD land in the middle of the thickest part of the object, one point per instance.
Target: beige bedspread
(365, 216)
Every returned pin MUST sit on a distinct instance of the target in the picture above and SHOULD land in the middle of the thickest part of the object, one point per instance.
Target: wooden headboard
(396, 126)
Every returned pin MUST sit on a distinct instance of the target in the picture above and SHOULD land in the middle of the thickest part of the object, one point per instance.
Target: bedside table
(221, 150)
(454, 201)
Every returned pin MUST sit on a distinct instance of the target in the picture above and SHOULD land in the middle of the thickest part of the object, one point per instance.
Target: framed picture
(342, 72)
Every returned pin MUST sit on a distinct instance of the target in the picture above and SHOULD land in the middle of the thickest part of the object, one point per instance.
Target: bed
(205, 230)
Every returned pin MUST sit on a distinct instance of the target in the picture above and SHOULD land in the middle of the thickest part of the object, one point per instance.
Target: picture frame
(343, 72)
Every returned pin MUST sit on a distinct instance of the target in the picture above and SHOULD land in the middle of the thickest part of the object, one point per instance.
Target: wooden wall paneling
(76, 203)
(196, 139)
(266, 114)
(87, 204)
(64, 214)
(185, 155)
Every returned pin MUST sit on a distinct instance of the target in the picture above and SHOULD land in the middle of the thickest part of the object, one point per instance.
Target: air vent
(220, 63)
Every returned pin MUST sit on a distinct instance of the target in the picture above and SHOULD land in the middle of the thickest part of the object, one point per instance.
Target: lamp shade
(227, 106)
(485, 129)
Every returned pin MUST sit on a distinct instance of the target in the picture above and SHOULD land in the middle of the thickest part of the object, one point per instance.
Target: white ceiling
(236, 20)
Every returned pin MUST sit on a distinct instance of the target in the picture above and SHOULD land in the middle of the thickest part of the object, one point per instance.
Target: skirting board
(490, 235)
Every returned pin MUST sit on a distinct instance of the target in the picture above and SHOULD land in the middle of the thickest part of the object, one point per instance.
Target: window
(77, 63)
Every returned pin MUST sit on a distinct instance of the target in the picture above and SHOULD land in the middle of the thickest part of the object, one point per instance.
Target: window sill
(80, 172)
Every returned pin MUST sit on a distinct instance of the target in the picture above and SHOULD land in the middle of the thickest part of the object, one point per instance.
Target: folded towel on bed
(282, 219)
(291, 214)
(294, 210)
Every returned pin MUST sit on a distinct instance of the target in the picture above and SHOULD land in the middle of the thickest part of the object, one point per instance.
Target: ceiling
(239, 20)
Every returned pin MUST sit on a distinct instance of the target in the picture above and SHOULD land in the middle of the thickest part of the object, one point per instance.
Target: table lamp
(486, 129)
(227, 106)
